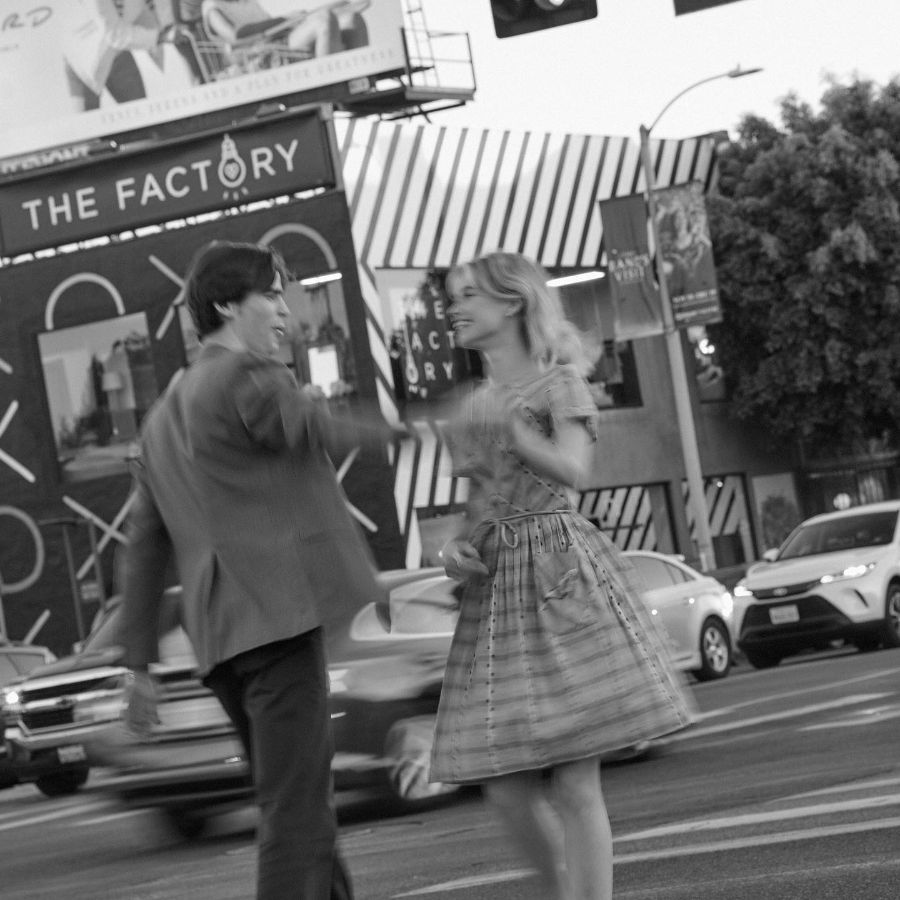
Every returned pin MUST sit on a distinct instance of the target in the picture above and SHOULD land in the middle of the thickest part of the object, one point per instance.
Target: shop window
(426, 362)
(316, 346)
(100, 381)
(614, 381)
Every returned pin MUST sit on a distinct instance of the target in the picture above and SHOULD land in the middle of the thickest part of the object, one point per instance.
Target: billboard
(77, 70)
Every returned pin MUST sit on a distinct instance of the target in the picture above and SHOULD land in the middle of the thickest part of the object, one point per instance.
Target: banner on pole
(635, 297)
(686, 249)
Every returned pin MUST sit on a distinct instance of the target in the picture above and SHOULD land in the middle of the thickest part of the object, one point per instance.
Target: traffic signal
(512, 17)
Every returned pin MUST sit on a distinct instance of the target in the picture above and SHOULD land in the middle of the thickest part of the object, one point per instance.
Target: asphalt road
(788, 789)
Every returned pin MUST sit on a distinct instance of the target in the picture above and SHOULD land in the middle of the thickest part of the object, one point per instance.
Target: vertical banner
(686, 249)
(635, 297)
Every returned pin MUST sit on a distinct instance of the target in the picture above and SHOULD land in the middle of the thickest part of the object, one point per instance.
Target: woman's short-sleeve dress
(555, 657)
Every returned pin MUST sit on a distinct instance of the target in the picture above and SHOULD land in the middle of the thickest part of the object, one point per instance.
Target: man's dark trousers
(277, 697)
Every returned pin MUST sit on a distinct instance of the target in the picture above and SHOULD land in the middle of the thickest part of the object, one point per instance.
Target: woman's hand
(461, 560)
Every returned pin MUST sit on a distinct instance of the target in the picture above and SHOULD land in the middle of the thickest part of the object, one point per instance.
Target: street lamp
(683, 412)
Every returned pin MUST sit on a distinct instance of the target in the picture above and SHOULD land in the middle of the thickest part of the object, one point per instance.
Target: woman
(555, 659)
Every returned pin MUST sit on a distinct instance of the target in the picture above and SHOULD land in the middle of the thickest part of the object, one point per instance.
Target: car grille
(785, 590)
(816, 614)
(48, 718)
(29, 695)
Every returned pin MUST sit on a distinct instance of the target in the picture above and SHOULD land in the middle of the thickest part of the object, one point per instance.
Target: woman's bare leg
(588, 838)
(523, 807)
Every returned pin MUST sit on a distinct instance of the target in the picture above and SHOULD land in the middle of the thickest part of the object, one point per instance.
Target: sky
(611, 74)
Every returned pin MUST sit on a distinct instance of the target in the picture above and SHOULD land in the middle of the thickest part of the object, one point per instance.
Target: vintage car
(17, 659)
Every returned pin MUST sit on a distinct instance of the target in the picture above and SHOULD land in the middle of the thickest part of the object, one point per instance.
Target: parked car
(696, 612)
(835, 578)
(16, 661)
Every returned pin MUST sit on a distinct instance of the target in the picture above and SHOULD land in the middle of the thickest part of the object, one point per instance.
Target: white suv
(836, 577)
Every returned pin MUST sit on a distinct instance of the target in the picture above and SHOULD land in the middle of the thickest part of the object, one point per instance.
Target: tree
(806, 227)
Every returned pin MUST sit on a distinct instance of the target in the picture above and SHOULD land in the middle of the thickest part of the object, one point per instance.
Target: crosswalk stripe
(775, 815)
(705, 730)
(760, 840)
(77, 810)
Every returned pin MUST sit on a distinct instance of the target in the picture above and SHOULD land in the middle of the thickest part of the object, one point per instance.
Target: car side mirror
(770, 555)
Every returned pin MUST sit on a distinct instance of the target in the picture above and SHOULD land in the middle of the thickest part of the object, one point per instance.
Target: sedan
(694, 609)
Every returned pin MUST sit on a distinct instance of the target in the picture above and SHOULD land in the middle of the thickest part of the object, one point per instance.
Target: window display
(100, 381)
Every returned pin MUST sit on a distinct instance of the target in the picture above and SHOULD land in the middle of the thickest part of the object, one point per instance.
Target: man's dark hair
(226, 272)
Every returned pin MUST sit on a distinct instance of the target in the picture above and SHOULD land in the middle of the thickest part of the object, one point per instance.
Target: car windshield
(846, 533)
(16, 662)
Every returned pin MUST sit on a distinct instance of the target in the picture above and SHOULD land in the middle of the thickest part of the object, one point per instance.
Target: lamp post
(684, 414)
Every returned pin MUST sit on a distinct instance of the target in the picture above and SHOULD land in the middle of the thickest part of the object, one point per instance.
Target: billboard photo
(77, 70)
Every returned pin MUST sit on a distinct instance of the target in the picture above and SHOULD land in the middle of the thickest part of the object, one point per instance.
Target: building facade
(423, 197)
(92, 332)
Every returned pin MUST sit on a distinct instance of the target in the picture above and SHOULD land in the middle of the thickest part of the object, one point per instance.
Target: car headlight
(727, 604)
(849, 572)
(741, 590)
(10, 698)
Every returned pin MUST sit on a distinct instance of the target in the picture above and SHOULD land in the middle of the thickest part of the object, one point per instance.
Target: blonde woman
(554, 660)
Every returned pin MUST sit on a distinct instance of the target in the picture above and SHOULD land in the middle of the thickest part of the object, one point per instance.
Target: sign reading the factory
(168, 183)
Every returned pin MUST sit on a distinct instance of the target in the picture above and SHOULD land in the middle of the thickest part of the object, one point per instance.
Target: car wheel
(715, 651)
(62, 783)
(891, 629)
(760, 660)
(408, 746)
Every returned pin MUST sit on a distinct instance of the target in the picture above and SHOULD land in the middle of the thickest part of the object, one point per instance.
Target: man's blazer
(236, 479)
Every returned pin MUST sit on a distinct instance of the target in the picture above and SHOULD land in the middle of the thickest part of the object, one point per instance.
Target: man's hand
(142, 698)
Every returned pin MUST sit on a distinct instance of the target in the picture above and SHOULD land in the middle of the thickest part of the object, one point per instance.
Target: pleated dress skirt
(555, 658)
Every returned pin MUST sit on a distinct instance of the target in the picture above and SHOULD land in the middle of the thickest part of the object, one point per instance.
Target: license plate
(781, 615)
(72, 754)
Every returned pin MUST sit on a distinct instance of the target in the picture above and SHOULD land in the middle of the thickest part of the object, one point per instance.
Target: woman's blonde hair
(549, 336)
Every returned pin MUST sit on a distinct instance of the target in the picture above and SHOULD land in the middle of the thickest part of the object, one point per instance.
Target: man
(236, 481)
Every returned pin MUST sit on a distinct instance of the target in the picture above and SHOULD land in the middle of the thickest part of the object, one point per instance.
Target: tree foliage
(806, 228)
